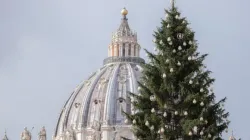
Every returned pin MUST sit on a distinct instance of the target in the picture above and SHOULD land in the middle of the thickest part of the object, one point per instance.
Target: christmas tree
(176, 99)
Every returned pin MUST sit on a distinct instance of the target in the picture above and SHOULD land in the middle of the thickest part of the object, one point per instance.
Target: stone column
(132, 49)
(126, 49)
(115, 50)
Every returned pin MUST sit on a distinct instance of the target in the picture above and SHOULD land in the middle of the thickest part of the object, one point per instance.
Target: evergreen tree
(175, 99)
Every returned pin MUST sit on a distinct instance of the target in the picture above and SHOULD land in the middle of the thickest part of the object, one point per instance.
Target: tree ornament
(174, 51)
(177, 17)
(153, 110)
(202, 104)
(170, 43)
(194, 101)
(179, 48)
(190, 133)
(166, 15)
(126, 121)
(168, 26)
(171, 70)
(201, 133)
(139, 88)
(190, 82)
(185, 113)
(201, 118)
(190, 42)
(167, 60)
(154, 40)
(152, 98)
(134, 121)
(183, 22)
(176, 113)
(147, 123)
(164, 75)
(180, 36)
(162, 130)
(179, 63)
(209, 135)
(201, 90)
(206, 121)
(161, 42)
(184, 44)
(152, 128)
(189, 58)
(165, 114)
(169, 39)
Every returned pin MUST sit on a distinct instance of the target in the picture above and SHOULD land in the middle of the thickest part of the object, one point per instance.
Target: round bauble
(201, 118)
(179, 63)
(147, 123)
(184, 44)
(171, 70)
(167, 60)
(134, 121)
(164, 75)
(190, 82)
(179, 48)
(190, 42)
(161, 42)
(202, 104)
(153, 110)
(165, 114)
(190, 133)
(176, 113)
(139, 88)
(168, 26)
(189, 58)
(174, 51)
(201, 133)
(152, 98)
(154, 40)
(194, 101)
(185, 113)
(169, 39)
(201, 90)
(177, 17)
(170, 43)
(162, 130)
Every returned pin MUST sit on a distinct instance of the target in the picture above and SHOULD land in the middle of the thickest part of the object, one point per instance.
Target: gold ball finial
(124, 11)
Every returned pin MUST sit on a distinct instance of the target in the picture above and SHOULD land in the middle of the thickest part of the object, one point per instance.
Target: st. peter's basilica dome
(94, 109)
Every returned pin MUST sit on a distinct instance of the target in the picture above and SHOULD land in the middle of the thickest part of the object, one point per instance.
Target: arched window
(123, 49)
(135, 50)
(129, 50)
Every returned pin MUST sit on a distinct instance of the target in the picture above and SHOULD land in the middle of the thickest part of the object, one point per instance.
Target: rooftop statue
(25, 135)
(42, 134)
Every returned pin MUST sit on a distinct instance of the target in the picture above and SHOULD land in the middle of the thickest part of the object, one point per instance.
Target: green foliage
(175, 94)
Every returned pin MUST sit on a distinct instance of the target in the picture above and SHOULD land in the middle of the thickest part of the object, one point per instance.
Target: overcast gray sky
(48, 46)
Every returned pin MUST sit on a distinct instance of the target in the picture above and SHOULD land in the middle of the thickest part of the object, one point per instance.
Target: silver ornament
(179, 48)
(171, 70)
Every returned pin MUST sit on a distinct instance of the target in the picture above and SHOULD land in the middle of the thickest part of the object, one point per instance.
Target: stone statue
(42, 134)
(25, 135)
